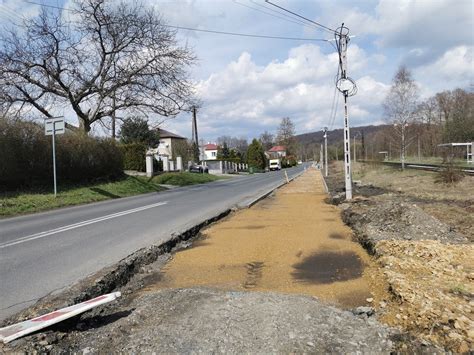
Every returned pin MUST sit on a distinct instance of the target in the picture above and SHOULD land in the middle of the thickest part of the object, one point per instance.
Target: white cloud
(453, 67)
(409, 23)
(248, 84)
(245, 97)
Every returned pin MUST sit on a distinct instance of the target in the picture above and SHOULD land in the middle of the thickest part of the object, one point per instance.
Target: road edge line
(113, 278)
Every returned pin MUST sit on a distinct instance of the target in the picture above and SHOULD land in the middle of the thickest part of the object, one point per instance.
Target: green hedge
(134, 156)
(26, 156)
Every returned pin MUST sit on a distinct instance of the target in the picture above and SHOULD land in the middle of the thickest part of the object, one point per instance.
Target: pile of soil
(392, 217)
(429, 267)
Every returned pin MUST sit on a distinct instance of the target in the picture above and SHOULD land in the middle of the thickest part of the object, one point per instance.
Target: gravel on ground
(215, 321)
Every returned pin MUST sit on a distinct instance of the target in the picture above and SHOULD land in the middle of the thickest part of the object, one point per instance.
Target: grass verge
(184, 179)
(17, 203)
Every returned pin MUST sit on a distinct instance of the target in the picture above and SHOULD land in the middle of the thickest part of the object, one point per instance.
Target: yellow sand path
(292, 242)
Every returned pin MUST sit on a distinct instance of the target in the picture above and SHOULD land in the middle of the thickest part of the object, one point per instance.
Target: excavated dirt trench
(292, 242)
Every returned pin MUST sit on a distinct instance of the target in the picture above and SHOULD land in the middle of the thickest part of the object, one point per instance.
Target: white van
(275, 164)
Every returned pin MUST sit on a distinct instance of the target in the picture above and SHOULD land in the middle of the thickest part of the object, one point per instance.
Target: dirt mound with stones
(211, 321)
(428, 266)
(390, 217)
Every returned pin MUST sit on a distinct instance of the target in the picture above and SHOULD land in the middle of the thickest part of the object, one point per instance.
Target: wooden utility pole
(195, 131)
(195, 138)
(113, 116)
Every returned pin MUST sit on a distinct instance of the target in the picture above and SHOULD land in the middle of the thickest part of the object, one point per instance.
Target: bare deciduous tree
(239, 144)
(286, 135)
(267, 140)
(400, 107)
(110, 57)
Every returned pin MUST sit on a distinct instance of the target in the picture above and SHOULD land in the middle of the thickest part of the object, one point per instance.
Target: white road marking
(78, 225)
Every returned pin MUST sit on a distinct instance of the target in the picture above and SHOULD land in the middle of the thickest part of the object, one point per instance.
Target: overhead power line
(50, 6)
(282, 13)
(247, 34)
(251, 35)
(302, 17)
(275, 13)
(10, 12)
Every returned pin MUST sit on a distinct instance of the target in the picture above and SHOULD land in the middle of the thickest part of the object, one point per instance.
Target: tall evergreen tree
(256, 155)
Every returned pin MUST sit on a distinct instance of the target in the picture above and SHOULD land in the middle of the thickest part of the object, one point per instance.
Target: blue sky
(248, 84)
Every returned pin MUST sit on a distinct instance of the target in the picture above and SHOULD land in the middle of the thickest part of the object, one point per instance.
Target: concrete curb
(267, 193)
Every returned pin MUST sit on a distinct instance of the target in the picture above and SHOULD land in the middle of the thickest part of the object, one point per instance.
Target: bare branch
(109, 51)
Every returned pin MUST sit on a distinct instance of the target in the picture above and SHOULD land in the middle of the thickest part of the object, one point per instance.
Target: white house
(209, 151)
(168, 142)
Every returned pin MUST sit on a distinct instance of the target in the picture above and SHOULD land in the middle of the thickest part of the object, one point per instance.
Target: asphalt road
(46, 252)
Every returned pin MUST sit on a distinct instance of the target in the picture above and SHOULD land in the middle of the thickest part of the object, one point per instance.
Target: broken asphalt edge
(113, 277)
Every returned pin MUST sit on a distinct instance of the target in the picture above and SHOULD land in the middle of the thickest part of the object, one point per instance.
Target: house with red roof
(209, 151)
(276, 152)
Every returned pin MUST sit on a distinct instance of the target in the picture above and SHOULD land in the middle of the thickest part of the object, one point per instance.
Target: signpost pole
(53, 126)
(54, 157)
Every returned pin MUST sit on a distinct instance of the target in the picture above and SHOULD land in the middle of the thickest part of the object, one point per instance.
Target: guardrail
(418, 166)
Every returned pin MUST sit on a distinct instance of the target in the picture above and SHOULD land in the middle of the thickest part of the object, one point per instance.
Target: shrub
(288, 162)
(26, 156)
(134, 156)
(83, 158)
(449, 174)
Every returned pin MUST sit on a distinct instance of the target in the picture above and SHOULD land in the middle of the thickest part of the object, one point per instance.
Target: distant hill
(336, 136)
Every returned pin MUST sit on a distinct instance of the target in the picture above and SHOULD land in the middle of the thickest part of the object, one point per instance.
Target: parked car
(198, 169)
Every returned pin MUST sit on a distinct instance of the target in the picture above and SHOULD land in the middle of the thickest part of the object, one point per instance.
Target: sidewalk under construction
(291, 242)
(263, 280)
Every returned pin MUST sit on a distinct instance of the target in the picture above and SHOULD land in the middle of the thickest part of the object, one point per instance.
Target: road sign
(54, 125)
(18, 330)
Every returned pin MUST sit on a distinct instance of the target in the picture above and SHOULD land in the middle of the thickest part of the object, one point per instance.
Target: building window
(213, 154)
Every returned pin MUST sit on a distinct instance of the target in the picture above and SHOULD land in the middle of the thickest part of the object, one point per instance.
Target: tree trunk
(402, 152)
(84, 125)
